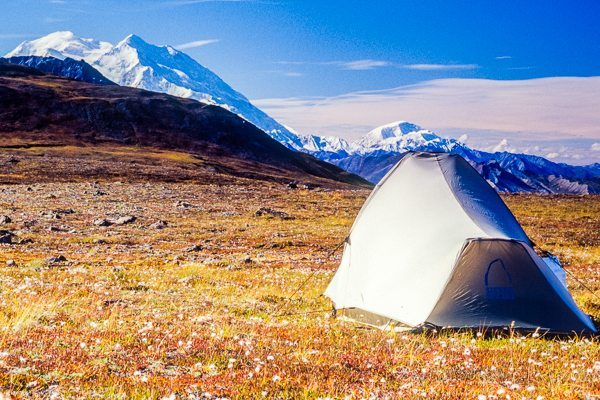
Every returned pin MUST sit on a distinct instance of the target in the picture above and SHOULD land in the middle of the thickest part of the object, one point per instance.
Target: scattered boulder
(183, 204)
(194, 248)
(56, 259)
(11, 263)
(160, 224)
(124, 220)
(7, 237)
(13, 160)
(293, 185)
(266, 211)
(58, 213)
(102, 222)
(5, 219)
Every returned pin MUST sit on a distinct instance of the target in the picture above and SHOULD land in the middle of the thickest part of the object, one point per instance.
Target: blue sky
(282, 49)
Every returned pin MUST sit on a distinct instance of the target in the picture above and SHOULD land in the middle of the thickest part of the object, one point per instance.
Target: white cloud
(196, 43)
(501, 146)
(551, 156)
(355, 65)
(528, 113)
(440, 67)
(293, 74)
(503, 57)
(363, 65)
(463, 138)
(595, 147)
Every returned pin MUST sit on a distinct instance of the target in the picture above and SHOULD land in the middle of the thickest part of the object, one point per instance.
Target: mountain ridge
(372, 155)
(136, 63)
(38, 107)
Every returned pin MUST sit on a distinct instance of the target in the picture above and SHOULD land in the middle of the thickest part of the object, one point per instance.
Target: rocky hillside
(42, 108)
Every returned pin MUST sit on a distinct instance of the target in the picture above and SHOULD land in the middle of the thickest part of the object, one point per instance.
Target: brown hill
(41, 110)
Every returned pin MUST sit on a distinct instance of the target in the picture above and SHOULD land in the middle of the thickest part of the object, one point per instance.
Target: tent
(435, 245)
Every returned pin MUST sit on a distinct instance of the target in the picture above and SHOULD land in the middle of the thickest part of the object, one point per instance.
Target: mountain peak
(394, 129)
(63, 42)
(134, 41)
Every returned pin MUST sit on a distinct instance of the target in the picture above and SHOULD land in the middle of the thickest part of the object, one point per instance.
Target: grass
(133, 314)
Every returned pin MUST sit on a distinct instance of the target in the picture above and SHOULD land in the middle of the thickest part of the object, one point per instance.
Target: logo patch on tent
(498, 283)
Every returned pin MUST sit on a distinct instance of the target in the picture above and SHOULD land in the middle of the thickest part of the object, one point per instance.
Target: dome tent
(434, 244)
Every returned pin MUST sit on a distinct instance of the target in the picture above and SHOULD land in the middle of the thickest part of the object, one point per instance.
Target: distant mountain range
(133, 62)
(373, 155)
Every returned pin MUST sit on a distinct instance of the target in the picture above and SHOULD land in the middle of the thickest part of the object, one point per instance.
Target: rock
(292, 185)
(5, 219)
(99, 193)
(56, 260)
(266, 211)
(13, 160)
(247, 260)
(51, 215)
(7, 237)
(194, 248)
(11, 263)
(124, 220)
(309, 186)
(58, 213)
(183, 204)
(102, 222)
(64, 211)
(160, 224)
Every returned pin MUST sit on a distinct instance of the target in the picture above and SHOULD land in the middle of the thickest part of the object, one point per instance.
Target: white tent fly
(435, 244)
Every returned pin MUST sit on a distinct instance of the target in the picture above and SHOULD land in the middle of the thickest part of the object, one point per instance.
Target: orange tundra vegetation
(184, 300)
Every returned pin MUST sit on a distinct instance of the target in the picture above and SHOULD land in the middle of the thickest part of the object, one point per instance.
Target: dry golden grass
(133, 314)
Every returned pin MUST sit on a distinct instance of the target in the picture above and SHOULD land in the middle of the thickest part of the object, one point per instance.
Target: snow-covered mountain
(136, 63)
(374, 154)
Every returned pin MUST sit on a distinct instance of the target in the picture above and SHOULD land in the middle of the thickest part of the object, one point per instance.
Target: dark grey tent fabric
(502, 283)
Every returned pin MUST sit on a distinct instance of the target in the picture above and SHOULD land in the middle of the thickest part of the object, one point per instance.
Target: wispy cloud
(363, 65)
(291, 74)
(440, 67)
(195, 43)
(369, 64)
(503, 57)
(537, 115)
(354, 65)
